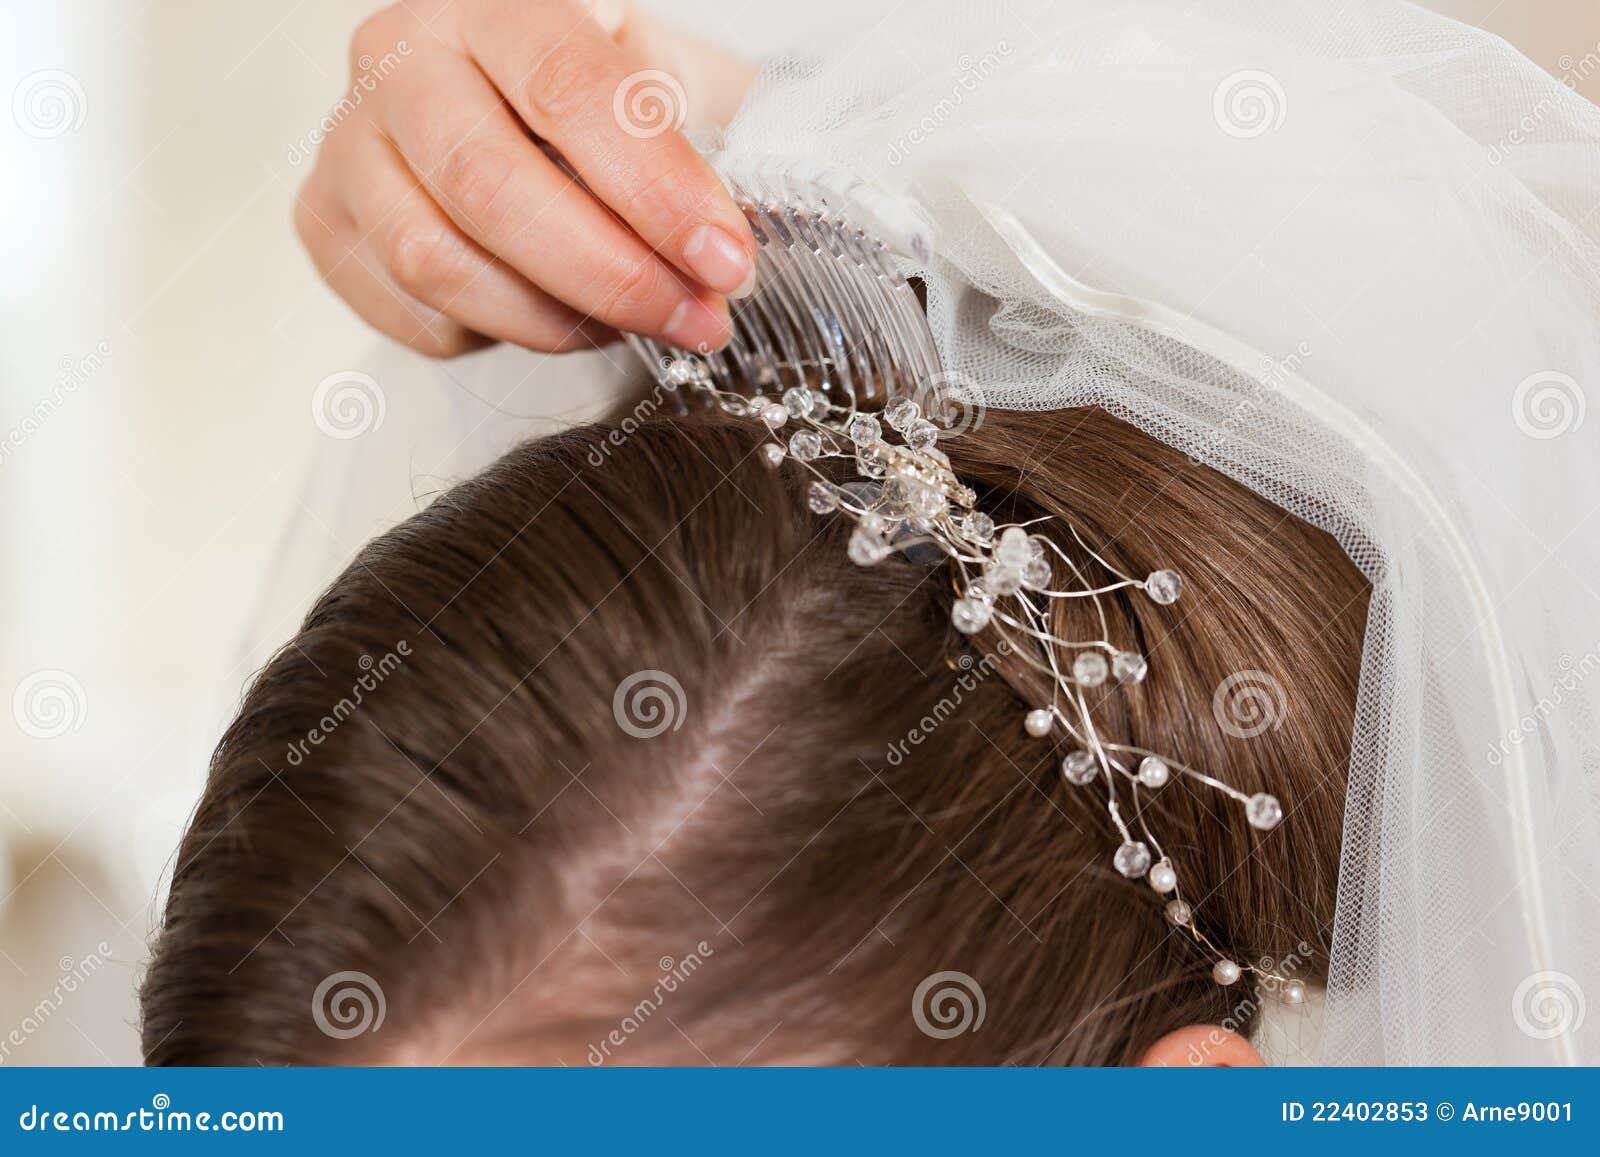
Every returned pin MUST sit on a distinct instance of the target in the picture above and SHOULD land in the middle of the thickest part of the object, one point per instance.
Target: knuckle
(661, 198)
(473, 176)
(561, 85)
(637, 289)
(424, 260)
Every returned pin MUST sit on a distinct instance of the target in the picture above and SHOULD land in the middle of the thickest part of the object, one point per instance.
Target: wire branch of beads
(908, 499)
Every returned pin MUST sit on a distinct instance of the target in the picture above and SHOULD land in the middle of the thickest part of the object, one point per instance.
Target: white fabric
(1346, 254)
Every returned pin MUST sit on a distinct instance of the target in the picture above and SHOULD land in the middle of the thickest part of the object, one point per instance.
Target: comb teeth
(830, 312)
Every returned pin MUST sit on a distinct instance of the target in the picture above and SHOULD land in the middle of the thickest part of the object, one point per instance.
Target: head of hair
(611, 754)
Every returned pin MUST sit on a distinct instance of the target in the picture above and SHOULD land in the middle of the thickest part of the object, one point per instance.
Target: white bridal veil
(1348, 254)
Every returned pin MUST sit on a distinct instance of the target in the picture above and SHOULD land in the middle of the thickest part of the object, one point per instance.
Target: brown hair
(611, 754)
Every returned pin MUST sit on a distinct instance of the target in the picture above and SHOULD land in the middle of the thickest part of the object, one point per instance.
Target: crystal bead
(1179, 912)
(867, 548)
(1154, 772)
(921, 434)
(1013, 548)
(1036, 574)
(819, 403)
(806, 445)
(979, 527)
(1000, 579)
(797, 401)
(868, 466)
(1132, 859)
(1038, 722)
(773, 453)
(1164, 586)
(901, 412)
(1038, 546)
(1090, 668)
(1264, 811)
(822, 498)
(864, 430)
(911, 497)
(1163, 877)
(965, 495)
(969, 616)
(1225, 972)
(1079, 767)
(1129, 667)
(774, 415)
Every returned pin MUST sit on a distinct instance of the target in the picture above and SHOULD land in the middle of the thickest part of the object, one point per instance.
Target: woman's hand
(441, 206)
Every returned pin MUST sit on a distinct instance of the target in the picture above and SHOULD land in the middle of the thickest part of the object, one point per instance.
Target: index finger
(617, 126)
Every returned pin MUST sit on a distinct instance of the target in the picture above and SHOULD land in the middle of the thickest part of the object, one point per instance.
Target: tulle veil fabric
(1349, 255)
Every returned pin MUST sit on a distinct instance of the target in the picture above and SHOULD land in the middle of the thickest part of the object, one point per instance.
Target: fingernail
(695, 326)
(719, 261)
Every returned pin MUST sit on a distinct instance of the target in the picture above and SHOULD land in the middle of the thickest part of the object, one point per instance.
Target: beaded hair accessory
(817, 275)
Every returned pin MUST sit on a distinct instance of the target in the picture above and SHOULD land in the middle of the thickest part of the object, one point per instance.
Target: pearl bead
(1294, 992)
(1163, 878)
(774, 415)
(1225, 972)
(773, 454)
(1179, 912)
(1039, 722)
(1153, 772)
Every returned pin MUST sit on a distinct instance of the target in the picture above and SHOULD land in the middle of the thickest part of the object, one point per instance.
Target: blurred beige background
(160, 342)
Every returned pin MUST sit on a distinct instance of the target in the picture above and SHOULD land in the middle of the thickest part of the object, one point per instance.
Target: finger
(356, 276)
(432, 261)
(617, 125)
(483, 171)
